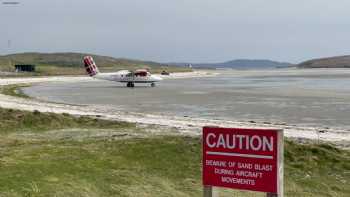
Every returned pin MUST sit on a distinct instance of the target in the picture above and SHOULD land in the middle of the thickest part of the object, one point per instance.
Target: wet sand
(262, 96)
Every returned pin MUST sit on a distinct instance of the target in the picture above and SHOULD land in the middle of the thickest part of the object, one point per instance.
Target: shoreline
(185, 125)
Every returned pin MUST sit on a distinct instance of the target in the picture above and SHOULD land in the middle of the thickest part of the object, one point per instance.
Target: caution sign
(249, 159)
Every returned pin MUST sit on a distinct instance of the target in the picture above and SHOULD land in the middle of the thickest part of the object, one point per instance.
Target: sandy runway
(185, 125)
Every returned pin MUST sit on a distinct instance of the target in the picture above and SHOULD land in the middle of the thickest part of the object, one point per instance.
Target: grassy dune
(43, 154)
(71, 64)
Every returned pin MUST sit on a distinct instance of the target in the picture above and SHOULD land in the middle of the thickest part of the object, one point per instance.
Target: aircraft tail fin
(90, 66)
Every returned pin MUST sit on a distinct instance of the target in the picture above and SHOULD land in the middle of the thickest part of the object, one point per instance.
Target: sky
(179, 30)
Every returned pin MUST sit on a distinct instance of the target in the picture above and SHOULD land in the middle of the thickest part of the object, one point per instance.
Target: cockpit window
(141, 74)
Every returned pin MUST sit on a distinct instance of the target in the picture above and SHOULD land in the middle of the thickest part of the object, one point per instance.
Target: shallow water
(301, 97)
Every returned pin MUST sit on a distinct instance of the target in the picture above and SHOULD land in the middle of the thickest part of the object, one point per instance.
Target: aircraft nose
(157, 78)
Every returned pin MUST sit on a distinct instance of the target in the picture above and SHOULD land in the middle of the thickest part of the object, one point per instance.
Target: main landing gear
(130, 85)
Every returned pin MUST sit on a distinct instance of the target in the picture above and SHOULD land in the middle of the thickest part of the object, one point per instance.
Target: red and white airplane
(123, 76)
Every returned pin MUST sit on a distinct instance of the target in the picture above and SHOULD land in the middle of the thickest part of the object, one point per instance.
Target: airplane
(123, 76)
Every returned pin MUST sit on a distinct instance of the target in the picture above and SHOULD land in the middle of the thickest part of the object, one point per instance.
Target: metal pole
(209, 191)
(9, 52)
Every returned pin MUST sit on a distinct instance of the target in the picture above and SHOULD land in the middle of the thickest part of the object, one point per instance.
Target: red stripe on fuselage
(86, 61)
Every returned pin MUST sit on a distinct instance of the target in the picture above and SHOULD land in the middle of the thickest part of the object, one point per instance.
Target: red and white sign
(249, 159)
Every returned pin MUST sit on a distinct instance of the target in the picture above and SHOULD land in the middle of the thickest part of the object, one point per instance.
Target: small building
(25, 68)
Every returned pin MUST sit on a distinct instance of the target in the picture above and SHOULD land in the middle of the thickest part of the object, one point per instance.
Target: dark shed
(25, 67)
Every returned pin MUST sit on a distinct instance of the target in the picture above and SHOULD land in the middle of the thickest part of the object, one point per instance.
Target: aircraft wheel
(132, 85)
(153, 84)
(128, 84)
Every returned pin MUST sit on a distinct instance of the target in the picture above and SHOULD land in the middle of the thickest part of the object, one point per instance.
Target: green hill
(71, 63)
(329, 62)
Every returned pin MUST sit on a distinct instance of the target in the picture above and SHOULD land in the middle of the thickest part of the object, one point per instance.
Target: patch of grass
(156, 166)
(14, 90)
(24, 121)
(137, 166)
(317, 169)
(52, 70)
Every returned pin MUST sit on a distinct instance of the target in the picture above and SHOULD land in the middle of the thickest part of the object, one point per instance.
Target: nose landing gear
(130, 85)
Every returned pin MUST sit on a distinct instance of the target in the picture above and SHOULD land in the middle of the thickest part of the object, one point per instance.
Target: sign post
(247, 159)
(209, 192)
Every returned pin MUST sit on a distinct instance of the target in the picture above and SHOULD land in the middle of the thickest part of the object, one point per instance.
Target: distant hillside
(66, 63)
(330, 62)
(240, 64)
